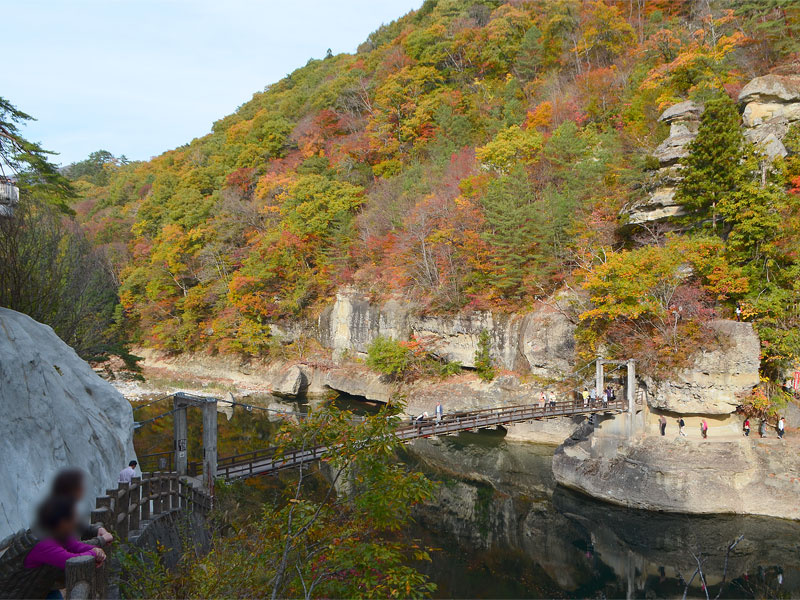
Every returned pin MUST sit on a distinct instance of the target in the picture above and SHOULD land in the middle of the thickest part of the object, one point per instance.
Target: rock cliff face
(540, 342)
(56, 413)
(685, 475)
(683, 120)
(718, 379)
(770, 105)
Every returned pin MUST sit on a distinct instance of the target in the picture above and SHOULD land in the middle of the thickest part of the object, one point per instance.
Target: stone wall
(56, 413)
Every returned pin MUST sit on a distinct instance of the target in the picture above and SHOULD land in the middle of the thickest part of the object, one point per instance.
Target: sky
(138, 77)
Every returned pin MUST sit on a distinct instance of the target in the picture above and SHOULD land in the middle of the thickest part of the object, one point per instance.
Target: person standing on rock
(681, 425)
(704, 429)
(781, 427)
(762, 429)
(746, 427)
(128, 472)
(662, 423)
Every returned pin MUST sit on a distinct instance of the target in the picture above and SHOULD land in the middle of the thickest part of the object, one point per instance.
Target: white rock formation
(56, 413)
(540, 342)
(771, 105)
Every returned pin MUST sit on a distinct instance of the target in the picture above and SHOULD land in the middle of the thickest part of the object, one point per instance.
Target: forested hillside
(474, 154)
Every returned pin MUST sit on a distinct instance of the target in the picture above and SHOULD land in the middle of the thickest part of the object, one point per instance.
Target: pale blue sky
(138, 77)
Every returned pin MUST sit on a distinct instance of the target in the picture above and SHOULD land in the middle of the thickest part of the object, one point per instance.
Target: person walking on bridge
(439, 412)
(542, 399)
(585, 395)
(662, 423)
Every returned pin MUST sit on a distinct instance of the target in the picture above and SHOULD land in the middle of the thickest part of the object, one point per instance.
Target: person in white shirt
(128, 472)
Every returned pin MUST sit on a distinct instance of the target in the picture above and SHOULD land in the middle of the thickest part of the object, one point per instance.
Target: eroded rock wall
(718, 379)
(540, 342)
(770, 105)
(732, 474)
(56, 413)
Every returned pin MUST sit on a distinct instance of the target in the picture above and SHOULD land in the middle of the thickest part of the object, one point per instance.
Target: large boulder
(57, 413)
(732, 474)
(771, 88)
(290, 382)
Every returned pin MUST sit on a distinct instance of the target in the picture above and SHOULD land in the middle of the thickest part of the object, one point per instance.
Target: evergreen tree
(713, 167)
(509, 208)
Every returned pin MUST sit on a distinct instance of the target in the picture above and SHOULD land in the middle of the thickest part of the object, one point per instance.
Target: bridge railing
(126, 511)
(267, 460)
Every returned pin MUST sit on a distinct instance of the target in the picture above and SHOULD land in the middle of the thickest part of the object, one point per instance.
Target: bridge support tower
(209, 407)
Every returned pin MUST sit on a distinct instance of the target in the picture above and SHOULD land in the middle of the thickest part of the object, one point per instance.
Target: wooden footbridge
(266, 462)
(270, 460)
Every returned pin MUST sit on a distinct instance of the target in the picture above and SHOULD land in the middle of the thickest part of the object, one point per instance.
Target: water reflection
(506, 530)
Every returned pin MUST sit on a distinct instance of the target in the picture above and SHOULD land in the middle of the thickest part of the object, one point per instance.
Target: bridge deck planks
(263, 462)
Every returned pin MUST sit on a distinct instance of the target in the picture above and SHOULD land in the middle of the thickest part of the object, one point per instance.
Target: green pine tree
(509, 207)
(713, 167)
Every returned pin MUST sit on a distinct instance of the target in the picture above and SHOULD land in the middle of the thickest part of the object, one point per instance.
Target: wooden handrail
(265, 461)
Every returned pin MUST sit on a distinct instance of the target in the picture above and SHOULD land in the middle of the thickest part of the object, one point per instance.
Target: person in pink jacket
(56, 525)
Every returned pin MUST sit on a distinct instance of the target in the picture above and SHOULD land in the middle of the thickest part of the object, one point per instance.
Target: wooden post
(104, 514)
(209, 444)
(631, 387)
(180, 436)
(155, 491)
(134, 503)
(80, 578)
(123, 507)
(145, 513)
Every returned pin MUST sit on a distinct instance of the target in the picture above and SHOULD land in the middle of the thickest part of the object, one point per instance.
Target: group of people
(762, 428)
(590, 398)
(33, 561)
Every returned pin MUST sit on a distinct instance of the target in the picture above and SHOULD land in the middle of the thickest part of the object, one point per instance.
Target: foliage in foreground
(329, 533)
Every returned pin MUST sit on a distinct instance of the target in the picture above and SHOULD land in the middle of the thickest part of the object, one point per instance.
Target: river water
(502, 527)
(505, 529)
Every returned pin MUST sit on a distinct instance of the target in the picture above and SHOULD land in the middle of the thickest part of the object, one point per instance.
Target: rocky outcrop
(684, 475)
(359, 382)
(659, 203)
(9, 198)
(771, 104)
(57, 413)
(540, 342)
(291, 382)
(717, 380)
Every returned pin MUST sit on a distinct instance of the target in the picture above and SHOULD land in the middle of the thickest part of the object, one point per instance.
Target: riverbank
(728, 473)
